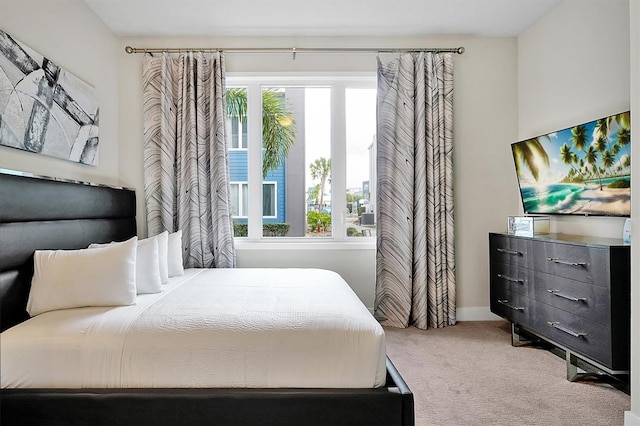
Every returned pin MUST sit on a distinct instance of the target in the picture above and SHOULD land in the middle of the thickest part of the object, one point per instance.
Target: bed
(42, 214)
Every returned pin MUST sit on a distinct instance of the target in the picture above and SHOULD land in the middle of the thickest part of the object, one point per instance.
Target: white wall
(573, 67)
(68, 33)
(485, 124)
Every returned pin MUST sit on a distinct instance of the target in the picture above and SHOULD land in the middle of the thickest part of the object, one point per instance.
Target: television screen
(582, 170)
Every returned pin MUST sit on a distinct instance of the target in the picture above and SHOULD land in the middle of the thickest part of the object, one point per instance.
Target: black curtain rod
(294, 50)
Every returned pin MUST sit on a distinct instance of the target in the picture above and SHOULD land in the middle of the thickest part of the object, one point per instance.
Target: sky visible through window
(360, 124)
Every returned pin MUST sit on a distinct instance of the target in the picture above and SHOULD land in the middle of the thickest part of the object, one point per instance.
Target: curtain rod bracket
(294, 53)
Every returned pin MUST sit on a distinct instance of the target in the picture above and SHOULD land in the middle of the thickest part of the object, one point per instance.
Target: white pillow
(163, 248)
(64, 279)
(147, 265)
(174, 254)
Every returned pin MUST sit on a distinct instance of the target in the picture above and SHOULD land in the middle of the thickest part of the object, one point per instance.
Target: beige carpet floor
(469, 374)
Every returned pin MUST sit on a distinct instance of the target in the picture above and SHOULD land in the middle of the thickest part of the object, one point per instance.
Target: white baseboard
(471, 314)
(475, 314)
(631, 419)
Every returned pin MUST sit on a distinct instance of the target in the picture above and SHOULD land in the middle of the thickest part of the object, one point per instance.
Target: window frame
(338, 82)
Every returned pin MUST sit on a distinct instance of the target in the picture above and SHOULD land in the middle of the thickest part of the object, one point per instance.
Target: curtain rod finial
(460, 50)
(129, 49)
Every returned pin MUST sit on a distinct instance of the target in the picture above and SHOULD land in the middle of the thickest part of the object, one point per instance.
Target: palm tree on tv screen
(579, 137)
(592, 158)
(608, 159)
(532, 154)
(570, 158)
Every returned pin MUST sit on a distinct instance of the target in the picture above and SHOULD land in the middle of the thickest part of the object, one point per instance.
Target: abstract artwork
(45, 109)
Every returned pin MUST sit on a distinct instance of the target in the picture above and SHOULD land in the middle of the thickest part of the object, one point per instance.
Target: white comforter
(259, 328)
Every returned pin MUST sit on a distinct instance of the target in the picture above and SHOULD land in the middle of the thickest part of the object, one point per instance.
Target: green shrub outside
(275, 229)
(268, 229)
(353, 232)
(314, 217)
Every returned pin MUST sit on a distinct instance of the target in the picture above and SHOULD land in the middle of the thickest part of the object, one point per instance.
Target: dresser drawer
(512, 306)
(575, 333)
(514, 251)
(511, 277)
(565, 260)
(579, 298)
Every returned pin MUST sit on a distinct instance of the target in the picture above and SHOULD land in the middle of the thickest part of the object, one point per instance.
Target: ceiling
(493, 18)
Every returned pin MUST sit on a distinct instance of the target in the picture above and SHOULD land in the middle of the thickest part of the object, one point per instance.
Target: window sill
(362, 243)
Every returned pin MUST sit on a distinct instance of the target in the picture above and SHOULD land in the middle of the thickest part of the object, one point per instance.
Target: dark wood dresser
(571, 291)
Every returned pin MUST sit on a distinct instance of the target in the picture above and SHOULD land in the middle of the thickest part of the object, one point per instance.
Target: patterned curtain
(186, 165)
(415, 279)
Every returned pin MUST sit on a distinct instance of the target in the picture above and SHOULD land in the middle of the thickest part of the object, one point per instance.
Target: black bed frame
(51, 214)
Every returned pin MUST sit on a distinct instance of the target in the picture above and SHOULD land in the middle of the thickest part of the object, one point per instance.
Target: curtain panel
(415, 279)
(186, 164)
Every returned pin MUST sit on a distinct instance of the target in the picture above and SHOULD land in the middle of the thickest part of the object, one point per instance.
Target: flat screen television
(582, 170)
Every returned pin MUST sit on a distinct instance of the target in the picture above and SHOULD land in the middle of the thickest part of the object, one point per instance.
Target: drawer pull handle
(513, 252)
(566, 296)
(565, 262)
(505, 302)
(513, 280)
(557, 325)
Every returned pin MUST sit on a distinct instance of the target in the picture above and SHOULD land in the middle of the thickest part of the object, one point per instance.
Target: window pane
(245, 199)
(244, 133)
(237, 117)
(360, 106)
(238, 166)
(269, 199)
(318, 160)
(235, 199)
(234, 132)
(296, 132)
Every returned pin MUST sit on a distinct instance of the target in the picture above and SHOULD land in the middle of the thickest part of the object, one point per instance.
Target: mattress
(250, 328)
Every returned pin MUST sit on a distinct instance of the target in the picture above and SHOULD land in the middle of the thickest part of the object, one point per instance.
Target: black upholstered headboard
(42, 214)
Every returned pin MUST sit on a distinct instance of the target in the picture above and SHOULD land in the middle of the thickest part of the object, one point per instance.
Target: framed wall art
(44, 109)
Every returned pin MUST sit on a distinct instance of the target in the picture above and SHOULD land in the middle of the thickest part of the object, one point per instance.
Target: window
(303, 140)
(238, 134)
(269, 199)
(240, 199)
(237, 137)
(360, 115)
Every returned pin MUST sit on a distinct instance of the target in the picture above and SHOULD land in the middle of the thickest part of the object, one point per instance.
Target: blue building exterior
(273, 185)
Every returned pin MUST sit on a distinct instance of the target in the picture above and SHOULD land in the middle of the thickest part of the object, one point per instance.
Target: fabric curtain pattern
(186, 164)
(415, 276)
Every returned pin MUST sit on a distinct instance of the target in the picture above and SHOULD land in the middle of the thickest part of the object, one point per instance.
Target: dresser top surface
(570, 238)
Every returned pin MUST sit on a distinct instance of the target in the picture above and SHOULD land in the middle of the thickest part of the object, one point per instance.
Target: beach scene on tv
(585, 169)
